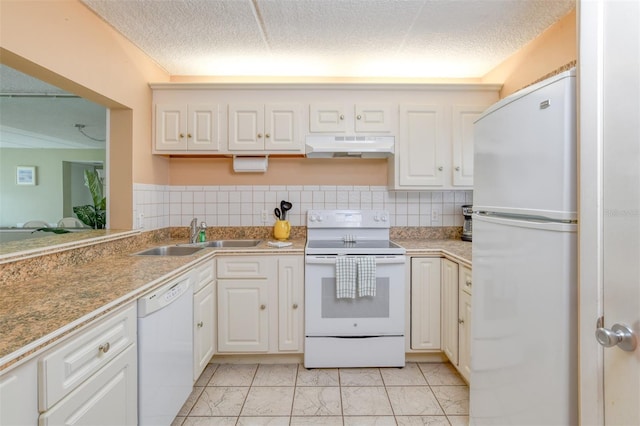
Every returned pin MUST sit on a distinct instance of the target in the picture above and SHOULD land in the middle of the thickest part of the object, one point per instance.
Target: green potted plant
(93, 215)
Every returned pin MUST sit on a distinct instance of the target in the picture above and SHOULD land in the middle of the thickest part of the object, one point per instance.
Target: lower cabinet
(92, 377)
(204, 316)
(260, 304)
(19, 395)
(441, 309)
(425, 303)
(464, 329)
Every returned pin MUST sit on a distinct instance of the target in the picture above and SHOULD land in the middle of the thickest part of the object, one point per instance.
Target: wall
(65, 44)
(21, 203)
(553, 49)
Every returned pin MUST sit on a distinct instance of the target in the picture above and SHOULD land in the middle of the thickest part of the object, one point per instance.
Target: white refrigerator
(524, 334)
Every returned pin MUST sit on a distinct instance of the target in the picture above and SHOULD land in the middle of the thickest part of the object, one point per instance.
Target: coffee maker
(467, 210)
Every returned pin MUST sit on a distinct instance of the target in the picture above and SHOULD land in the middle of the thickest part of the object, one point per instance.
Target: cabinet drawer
(243, 267)
(70, 363)
(204, 274)
(465, 279)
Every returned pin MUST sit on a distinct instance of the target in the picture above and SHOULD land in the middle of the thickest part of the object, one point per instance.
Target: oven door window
(359, 307)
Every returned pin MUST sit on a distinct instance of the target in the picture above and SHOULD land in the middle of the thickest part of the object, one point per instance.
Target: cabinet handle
(267, 135)
(104, 348)
(341, 116)
(188, 135)
(468, 282)
(295, 306)
(460, 321)
(263, 307)
(457, 168)
(259, 135)
(181, 135)
(359, 117)
(441, 168)
(200, 324)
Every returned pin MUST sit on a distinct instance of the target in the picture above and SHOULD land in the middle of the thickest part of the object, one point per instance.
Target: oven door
(326, 315)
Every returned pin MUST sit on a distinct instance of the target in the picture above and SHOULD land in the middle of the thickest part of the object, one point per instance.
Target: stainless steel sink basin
(169, 251)
(232, 243)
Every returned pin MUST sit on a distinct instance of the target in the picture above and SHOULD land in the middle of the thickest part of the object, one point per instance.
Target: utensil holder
(281, 230)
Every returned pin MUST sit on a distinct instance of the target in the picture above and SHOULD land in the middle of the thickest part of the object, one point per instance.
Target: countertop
(36, 312)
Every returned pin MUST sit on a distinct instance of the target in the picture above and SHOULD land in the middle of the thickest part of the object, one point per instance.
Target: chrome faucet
(193, 234)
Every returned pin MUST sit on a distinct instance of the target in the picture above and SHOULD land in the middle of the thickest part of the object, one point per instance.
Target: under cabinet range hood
(325, 146)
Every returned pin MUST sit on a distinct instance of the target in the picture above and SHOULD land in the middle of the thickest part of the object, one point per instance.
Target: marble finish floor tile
(317, 401)
(220, 401)
(360, 377)
(413, 401)
(269, 401)
(234, 375)
(276, 375)
(317, 377)
(441, 374)
(410, 375)
(432, 394)
(454, 399)
(365, 400)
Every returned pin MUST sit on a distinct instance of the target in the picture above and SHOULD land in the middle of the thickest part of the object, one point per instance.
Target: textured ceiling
(344, 38)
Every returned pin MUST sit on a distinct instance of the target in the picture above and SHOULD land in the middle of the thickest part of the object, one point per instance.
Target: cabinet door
(243, 315)
(327, 118)
(420, 159)
(204, 313)
(246, 126)
(373, 118)
(202, 128)
(107, 398)
(290, 303)
(19, 395)
(171, 127)
(462, 138)
(464, 360)
(425, 303)
(281, 128)
(450, 310)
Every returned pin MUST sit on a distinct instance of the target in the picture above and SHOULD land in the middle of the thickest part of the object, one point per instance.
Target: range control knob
(384, 218)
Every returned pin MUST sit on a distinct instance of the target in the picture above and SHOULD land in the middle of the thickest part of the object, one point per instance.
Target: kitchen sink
(170, 251)
(231, 243)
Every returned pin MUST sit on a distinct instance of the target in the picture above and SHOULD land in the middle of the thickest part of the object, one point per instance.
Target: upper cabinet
(270, 127)
(434, 149)
(185, 127)
(360, 118)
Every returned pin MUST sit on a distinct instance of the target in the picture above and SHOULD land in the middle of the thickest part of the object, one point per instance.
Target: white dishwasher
(165, 351)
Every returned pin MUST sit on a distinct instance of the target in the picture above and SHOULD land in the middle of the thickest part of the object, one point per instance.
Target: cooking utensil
(278, 214)
(285, 206)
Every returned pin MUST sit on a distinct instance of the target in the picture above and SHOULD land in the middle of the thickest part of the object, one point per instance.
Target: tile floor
(288, 394)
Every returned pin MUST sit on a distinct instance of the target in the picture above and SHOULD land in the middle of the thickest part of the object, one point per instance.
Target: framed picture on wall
(26, 175)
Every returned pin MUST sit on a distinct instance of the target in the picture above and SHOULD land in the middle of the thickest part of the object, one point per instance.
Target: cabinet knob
(200, 324)
(181, 135)
(188, 135)
(259, 135)
(359, 117)
(457, 168)
(267, 135)
(104, 348)
(441, 168)
(341, 116)
(468, 282)
(460, 321)
(295, 306)
(263, 307)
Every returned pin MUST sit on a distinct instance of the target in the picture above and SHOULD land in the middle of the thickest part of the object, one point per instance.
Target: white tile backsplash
(160, 206)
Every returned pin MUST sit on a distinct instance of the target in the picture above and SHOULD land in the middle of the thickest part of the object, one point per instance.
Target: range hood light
(349, 146)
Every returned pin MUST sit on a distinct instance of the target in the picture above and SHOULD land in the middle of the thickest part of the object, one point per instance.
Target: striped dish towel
(366, 276)
(346, 270)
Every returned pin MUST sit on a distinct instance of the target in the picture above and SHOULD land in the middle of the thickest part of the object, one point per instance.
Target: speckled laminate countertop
(38, 311)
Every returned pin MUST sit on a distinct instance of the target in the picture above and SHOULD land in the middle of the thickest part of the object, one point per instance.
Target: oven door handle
(331, 260)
